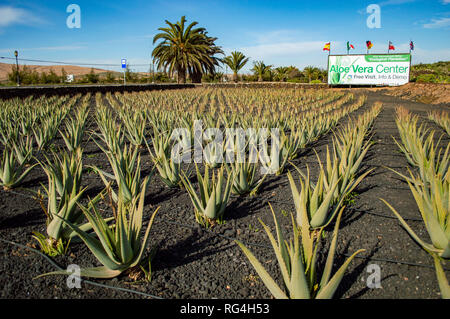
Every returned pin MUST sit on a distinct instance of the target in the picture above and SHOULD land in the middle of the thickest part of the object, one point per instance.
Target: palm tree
(184, 50)
(236, 62)
(282, 73)
(208, 65)
(310, 72)
(260, 69)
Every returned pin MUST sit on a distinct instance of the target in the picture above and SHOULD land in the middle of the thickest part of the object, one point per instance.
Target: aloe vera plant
(273, 162)
(441, 118)
(126, 166)
(63, 192)
(245, 180)
(433, 201)
(297, 139)
(117, 247)
(215, 192)
(45, 132)
(75, 127)
(12, 172)
(297, 260)
(135, 126)
(419, 148)
(317, 202)
(23, 149)
(169, 171)
(343, 170)
(214, 154)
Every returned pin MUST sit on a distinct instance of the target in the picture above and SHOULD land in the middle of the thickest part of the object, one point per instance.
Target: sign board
(369, 69)
(124, 63)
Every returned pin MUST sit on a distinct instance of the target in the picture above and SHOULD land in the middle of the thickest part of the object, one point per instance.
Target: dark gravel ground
(195, 263)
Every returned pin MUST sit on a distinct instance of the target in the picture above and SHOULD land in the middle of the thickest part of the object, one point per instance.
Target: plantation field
(85, 158)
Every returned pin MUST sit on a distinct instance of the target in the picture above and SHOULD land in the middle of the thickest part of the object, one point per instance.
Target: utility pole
(17, 67)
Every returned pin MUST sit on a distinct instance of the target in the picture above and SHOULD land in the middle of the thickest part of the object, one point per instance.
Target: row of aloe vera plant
(442, 118)
(133, 108)
(64, 212)
(316, 207)
(210, 203)
(115, 241)
(430, 188)
(29, 125)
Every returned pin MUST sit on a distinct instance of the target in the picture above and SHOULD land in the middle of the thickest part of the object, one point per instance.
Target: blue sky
(277, 32)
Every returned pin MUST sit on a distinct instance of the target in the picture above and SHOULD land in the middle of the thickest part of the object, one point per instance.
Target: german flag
(327, 46)
(369, 45)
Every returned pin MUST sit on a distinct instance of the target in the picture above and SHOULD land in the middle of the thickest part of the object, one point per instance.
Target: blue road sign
(124, 63)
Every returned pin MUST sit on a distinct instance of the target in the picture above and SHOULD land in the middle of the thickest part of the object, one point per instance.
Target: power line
(71, 63)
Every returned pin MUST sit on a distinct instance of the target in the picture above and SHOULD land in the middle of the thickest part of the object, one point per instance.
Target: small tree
(130, 76)
(34, 77)
(236, 62)
(312, 73)
(110, 78)
(63, 75)
(52, 77)
(91, 77)
(260, 69)
(281, 73)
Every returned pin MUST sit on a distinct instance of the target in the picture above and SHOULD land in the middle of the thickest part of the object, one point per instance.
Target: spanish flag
(327, 46)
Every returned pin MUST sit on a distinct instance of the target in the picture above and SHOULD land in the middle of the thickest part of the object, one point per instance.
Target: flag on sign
(369, 45)
(391, 46)
(350, 46)
(327, 46)
(411, 45)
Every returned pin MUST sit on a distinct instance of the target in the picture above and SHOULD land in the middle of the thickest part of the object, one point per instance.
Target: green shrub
(426, 78)
(110, 78)
(91, 77)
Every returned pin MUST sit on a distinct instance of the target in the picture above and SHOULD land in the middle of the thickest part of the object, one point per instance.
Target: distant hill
(70, 69)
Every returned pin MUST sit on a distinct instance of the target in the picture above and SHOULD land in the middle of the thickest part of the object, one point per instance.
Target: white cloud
(10, 16)
(437, 23)
(445, 1)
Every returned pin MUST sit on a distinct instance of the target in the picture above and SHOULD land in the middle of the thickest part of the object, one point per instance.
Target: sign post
(369, 69)
(124, 66)
(16, 54)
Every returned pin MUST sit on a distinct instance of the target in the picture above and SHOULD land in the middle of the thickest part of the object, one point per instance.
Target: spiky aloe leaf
(274, 289)
(442, 278)
(101, 272)
(328, 291)
(427, 247)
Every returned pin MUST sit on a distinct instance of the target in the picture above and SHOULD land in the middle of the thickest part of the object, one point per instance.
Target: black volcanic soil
(192, 262)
